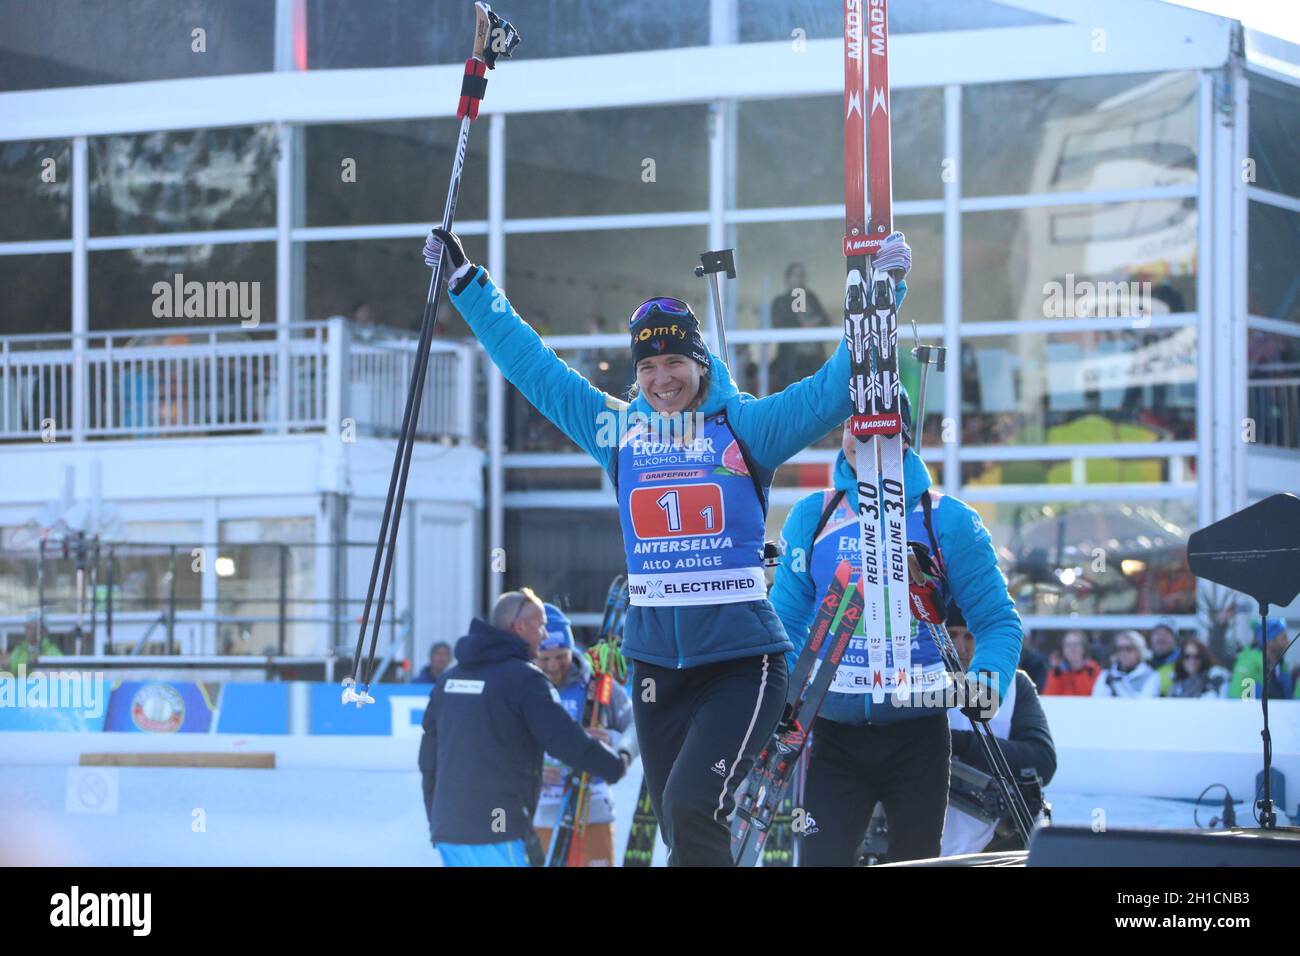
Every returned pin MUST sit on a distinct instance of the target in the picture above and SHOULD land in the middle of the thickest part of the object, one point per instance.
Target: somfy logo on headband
(660, 331)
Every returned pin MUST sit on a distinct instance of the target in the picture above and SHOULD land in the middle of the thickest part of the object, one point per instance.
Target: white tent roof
(1028, 39)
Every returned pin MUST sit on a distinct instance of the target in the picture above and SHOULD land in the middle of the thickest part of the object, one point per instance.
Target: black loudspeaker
(1255, 551)
(1080, 846)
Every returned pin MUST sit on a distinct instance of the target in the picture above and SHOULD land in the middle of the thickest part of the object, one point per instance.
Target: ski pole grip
(473, 86)
(718, 260)
(482, 27)
(935, 355)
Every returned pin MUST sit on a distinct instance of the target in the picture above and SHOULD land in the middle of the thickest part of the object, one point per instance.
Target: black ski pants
(903, 765)
(699, 730)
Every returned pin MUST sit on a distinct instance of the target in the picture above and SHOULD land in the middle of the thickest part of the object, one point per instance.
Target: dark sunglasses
(662, 303)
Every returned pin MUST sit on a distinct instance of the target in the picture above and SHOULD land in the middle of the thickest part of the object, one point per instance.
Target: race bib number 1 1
(680, 511)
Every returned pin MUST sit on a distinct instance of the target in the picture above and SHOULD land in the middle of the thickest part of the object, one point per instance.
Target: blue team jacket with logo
(974, 582)
(772, 428)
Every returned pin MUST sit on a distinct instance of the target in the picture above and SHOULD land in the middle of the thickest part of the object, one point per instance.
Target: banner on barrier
(398, 711)
(162, 707)
(53, 700)
(76, 702)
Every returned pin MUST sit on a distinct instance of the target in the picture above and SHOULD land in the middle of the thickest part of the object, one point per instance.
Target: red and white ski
(871, 330)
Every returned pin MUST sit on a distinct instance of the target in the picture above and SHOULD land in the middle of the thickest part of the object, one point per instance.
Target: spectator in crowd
(572, 675)
(1129, 674)
(1026, 739)
(1076, 673)
(34, 645)
(1033, 662)
(1197, 673)
(1164, 653)
(796, 308)
(1248, 669)
(490, 718)
(439, 661)
(363, 326)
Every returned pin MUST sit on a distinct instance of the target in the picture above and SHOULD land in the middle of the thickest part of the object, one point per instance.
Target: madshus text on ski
(731, 688)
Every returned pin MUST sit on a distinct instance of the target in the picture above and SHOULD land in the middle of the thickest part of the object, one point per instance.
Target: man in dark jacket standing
(1021, 725)
(490, 719)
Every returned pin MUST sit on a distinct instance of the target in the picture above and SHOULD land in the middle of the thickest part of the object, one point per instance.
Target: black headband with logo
(666, 326)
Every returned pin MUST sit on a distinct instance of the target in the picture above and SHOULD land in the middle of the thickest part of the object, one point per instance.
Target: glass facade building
(1106, 234)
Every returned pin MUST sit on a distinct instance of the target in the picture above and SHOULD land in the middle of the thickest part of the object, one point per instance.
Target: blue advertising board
(248, 708)
(162, 707)
(53, 701)
(398, 711)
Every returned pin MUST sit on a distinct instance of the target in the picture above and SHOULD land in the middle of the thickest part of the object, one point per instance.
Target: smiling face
(669, 382)
(555, 663)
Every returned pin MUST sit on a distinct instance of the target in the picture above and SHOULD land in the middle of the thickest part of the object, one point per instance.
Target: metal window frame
(731, 73)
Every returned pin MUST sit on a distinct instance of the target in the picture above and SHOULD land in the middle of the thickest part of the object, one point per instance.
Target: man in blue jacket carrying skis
(898, 751)
(691, 459)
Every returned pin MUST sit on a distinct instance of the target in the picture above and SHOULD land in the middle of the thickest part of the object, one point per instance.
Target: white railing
(380, 369)
(1273, 404)
(219, 379)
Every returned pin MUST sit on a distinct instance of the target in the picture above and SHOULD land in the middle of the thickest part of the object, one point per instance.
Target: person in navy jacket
(490, 719)
(691, 459)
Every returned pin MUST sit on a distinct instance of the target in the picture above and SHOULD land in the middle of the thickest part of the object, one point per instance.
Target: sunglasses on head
(664, 304)
(530, 598)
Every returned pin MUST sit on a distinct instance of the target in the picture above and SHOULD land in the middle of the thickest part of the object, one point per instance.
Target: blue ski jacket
(772, 429)
(974, 582)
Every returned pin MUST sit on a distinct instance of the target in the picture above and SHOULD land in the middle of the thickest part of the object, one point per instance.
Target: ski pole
(571, 827)
(993, 752)
(919, 567)
(493, 38)
(925, 355)
(711, 263)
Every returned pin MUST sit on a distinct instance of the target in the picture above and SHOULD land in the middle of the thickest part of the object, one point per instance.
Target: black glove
(442, 242)
(983, 702)
(785, 724)
(963, 744)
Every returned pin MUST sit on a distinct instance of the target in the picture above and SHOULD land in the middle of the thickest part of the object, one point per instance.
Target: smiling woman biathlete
(707, 648)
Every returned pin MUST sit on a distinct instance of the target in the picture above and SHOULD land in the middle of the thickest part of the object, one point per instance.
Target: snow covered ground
(93, 816)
